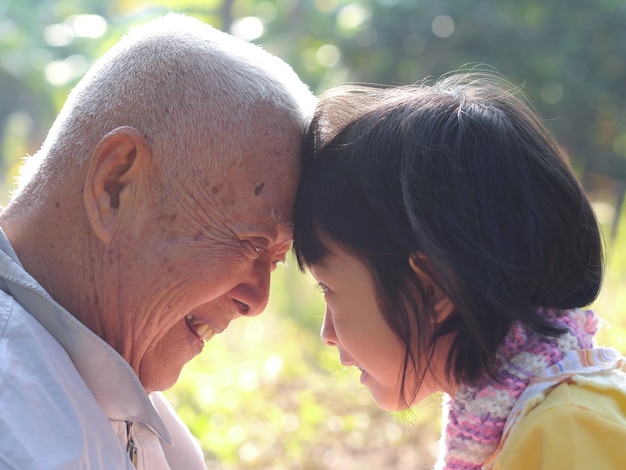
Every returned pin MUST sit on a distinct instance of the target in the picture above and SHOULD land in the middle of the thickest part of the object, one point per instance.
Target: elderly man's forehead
(280, 217)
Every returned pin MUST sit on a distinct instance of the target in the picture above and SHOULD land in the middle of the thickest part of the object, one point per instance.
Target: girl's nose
(328, 329)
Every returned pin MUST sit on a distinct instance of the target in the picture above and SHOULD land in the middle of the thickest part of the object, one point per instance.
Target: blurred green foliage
(267, 394)
(569, 55)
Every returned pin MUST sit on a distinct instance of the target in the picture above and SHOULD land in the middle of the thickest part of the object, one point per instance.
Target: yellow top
(580, 425)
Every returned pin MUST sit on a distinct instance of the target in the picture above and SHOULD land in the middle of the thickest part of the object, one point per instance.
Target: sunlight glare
(248, 28)
(88, 26)
(328, 55)
(443, 26)
(353, 16)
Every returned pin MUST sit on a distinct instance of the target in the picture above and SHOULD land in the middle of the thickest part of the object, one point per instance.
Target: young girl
(455, 250)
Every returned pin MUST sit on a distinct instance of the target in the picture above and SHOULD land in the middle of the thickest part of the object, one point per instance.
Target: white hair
(186, 86)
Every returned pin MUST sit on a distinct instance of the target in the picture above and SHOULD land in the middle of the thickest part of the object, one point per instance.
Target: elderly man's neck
(52, 241)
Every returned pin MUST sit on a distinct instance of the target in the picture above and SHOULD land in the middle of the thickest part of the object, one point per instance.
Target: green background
(267, 394)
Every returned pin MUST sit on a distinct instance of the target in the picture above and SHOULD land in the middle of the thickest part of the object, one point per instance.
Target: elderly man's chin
(161, 365)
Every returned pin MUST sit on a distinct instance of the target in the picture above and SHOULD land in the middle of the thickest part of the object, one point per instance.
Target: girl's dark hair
(464, 174)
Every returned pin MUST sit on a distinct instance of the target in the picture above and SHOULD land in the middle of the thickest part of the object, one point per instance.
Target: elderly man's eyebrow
(277, 215)
(285, 231)
(284, 235)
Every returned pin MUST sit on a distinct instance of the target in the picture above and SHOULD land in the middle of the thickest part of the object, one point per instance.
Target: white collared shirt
(67, 398)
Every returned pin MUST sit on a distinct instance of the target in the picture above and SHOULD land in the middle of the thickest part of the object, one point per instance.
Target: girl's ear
(438, 299)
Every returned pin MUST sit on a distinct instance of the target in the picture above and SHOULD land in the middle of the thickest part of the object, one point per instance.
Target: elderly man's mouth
(199, 328)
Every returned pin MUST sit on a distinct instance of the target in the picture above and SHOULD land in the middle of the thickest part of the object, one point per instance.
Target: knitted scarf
(476, 415)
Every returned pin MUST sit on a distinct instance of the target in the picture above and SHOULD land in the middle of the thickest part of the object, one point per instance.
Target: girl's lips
(347, 360)
(349, 363)
(203, 331)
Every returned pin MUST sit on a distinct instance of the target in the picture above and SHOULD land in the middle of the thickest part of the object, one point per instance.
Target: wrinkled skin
(105, 247)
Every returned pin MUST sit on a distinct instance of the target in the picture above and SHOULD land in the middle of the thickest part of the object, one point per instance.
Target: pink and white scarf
(527, 363)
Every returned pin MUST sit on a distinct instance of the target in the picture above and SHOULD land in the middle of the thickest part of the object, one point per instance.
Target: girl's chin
(386, 400)
(390, 406)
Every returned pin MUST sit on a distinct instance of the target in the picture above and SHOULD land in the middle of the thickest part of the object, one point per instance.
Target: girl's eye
(322, 287)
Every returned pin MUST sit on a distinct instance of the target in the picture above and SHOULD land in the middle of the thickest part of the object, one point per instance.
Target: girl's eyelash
(322, 287)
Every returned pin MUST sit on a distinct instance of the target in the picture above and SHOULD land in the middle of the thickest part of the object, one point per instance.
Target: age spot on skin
(216, 189)
(172, 217)
(259, 189)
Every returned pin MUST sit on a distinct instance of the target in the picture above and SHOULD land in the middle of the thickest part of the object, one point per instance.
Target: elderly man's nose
(253, 294)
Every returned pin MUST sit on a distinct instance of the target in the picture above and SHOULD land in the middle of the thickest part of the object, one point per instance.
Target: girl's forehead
(335, 262)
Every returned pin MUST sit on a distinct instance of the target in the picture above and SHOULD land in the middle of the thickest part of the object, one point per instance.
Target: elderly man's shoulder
(47, 414)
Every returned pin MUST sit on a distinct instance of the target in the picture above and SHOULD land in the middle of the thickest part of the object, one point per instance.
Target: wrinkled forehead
(269, 209)
(259, 189)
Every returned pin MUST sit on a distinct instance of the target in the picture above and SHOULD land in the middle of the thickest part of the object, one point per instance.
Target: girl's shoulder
(579, 424)
(568, 411)
(603, 394)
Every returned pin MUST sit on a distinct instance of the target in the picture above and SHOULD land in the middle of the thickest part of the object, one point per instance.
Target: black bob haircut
(463, 176)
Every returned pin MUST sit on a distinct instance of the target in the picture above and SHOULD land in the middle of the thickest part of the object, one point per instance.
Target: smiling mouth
(199, 328)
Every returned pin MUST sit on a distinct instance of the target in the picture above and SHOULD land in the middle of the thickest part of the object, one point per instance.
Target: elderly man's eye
(252, 249)
(259, 247)
(256, 249)
(282, 259)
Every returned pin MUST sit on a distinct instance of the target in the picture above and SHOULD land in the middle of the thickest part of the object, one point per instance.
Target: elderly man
(152, 216)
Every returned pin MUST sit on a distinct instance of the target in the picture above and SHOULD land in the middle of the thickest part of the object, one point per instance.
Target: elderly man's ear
(115, 165)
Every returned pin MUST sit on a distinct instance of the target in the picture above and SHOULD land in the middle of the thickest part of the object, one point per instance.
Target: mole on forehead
(259, 189)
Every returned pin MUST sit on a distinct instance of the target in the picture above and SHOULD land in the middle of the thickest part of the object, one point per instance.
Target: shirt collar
(110, 378)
